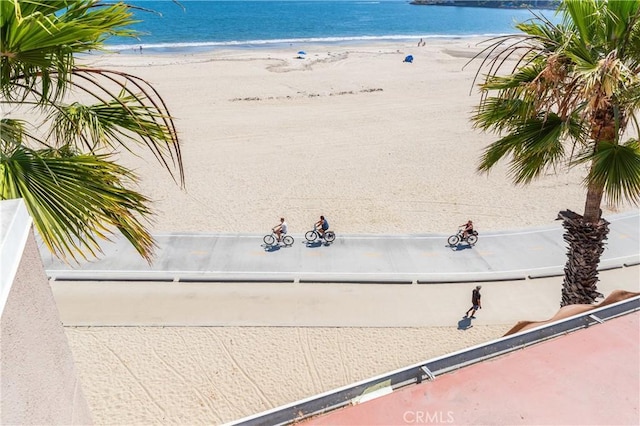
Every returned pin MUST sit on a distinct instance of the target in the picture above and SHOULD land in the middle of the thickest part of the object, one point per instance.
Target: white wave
(249, 43)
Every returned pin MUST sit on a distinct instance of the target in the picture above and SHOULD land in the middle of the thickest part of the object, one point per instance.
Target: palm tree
(61, 161)
(570, 100)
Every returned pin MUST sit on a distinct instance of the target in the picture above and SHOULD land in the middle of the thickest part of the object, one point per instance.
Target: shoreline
(257, 45)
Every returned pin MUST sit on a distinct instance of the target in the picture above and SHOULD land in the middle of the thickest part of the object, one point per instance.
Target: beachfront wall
(39, 381)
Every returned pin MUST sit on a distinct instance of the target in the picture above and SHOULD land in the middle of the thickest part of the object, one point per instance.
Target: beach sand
(140, 364)
(351, 132)
(213, 375)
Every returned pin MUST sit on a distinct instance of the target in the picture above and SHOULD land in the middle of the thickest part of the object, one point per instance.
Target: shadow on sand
(464, 323)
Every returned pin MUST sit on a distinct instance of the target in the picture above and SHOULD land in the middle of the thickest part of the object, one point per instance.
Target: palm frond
(75, 194)
(129, 110)
(39, 38)
(616, 168)
(582, 15)
(76, 199)
(109, 124)
(11, 134)
(540, 148)
(499, 114)
(523, 76)
(620, 18)
(533, 146)
(496, 152)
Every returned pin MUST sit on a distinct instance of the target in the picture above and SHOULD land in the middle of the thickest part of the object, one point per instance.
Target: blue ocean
(194, 25)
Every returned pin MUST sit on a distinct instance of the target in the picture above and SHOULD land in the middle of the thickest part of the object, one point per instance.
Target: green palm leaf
(39, 38)
(572, 96)
(76, 195)
(534, 146)
(75, 199)
(572, 89)
(11, 133)
(617, 169)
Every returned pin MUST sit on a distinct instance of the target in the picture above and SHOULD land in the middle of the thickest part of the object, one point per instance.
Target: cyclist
(468, 229)
(322, 226)
(280, 229)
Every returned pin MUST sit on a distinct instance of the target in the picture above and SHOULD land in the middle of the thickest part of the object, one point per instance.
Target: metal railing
(430, 369)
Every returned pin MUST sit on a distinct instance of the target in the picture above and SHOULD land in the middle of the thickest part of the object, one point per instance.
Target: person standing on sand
(475, 302)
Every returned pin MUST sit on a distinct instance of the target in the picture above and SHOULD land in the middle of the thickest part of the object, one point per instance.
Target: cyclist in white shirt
(280, 229)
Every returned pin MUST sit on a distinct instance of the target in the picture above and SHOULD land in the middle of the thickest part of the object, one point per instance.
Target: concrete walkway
(108, 303)
(508, 255)
(234, 280)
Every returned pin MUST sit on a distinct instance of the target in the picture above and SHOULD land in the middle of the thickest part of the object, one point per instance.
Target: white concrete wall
(39, 382)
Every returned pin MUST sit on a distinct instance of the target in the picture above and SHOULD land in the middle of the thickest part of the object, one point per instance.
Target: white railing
(15, 224)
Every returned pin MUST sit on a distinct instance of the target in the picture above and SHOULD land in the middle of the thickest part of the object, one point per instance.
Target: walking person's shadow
(464, 323)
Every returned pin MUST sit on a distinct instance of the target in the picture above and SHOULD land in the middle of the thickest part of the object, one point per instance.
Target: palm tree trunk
(586, 242)
(592, 209)
(586, 237)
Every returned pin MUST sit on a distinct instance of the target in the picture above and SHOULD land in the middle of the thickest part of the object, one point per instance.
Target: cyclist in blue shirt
(322, 226)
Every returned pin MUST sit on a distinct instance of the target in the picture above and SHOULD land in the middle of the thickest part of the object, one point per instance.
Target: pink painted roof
(591, 376)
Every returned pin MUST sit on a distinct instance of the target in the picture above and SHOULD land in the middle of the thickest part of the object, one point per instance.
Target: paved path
(507, 255)
(108, 303)
(234, 280)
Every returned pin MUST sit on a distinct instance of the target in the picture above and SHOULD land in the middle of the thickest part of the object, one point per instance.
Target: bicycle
(470, 239)
(272, 239)
(329, 236)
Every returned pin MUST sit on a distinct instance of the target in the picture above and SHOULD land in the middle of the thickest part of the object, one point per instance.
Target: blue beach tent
(409, 59)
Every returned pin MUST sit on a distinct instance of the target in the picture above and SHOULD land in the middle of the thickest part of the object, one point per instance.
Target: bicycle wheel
(310, 236)
(329, 236)
(269, 239)
(472, 239)
(288, 240)
(453, 240)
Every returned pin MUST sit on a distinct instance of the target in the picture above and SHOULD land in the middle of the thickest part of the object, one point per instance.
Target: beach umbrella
(302, 52)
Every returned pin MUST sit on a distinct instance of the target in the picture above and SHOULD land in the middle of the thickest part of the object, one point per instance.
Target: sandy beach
(213, 375)
(352, 132)
(136, 374)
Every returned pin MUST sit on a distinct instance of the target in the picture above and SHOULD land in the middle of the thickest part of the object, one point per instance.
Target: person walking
(475, 302)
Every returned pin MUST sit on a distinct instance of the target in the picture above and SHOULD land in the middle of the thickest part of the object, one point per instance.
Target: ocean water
(207, 24)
